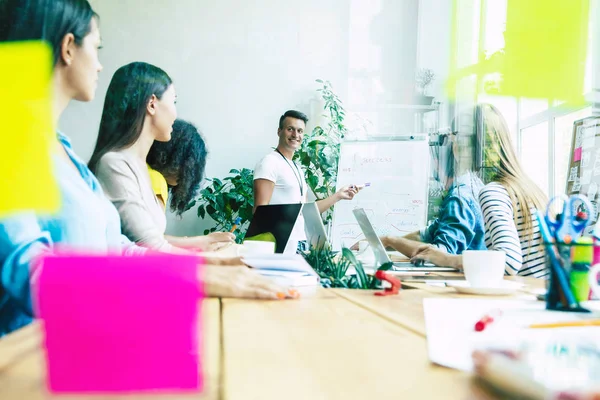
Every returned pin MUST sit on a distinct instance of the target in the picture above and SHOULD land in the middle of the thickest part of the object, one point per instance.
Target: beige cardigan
(127, 184)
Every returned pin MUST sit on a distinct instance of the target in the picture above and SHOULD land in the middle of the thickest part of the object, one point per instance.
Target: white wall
(237, 66)
(434, 46)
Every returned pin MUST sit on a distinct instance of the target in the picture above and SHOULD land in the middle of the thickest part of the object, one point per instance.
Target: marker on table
(486, 320)
(235, 224)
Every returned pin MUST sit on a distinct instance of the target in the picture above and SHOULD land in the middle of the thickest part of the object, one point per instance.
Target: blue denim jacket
(87, 220)
(460, 225)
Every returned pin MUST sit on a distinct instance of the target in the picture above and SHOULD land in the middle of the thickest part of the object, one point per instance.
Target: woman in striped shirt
(507, 201)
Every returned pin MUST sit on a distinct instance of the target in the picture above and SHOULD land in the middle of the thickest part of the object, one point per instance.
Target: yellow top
(159, 185)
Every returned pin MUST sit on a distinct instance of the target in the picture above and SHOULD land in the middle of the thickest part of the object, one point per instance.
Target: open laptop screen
(277, 219)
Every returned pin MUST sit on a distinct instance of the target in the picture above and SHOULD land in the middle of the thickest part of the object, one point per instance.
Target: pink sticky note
(121, 324)
(577, 154)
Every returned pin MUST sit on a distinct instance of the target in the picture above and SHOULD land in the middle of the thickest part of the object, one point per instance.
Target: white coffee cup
(256, 247)
(484, 268)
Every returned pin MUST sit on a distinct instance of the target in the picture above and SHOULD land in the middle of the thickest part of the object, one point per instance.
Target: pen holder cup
(568, 266)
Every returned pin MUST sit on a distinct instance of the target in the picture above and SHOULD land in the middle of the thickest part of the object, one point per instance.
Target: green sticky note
(546, 43)
(26, 172)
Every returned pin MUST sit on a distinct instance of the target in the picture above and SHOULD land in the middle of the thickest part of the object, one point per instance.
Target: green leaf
(234, 171)
(386, 267)
(206, 232)
(360, 272)
(312, 181)
(201, 212)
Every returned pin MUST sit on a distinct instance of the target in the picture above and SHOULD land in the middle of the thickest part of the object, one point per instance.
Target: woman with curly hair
(176, 170)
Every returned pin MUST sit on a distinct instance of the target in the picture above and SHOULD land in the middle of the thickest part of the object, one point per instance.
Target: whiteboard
(396, 200)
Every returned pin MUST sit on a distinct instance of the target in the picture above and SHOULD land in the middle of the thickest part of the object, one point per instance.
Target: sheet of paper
(585, 159)
(589, 142)
(26, 114)
(592, 191)
(586, 178)
(577, 154)
(597, 166)
(578, 136)
(576, 185)
(450, 324)
(121, 324)
(573, 174)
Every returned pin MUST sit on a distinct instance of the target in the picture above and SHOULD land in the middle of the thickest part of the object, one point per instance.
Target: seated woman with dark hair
(139, 110)
(176, 170)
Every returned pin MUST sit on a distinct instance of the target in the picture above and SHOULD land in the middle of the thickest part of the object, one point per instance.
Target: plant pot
(423, 100)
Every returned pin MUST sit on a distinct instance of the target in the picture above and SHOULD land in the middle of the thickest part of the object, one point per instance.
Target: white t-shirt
(288, 178)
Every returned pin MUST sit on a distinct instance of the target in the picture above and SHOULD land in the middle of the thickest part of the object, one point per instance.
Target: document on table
(286, 269)
(450, 326)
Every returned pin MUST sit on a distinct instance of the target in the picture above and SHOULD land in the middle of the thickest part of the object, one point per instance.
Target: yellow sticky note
(546, 49)
(544, 55)
(26, 129)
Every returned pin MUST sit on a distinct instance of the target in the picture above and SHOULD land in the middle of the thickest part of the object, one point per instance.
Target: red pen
(486, 320)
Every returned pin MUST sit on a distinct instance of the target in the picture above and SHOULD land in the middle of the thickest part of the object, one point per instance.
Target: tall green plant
(227, 199)
(320, 150)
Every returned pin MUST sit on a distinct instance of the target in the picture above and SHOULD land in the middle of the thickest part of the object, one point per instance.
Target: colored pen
(360, 187)
(558, 269)
(588, 322)
(235, 224)
(486, 320)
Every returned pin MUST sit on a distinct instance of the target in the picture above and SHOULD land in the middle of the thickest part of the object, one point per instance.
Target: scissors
(572, 217)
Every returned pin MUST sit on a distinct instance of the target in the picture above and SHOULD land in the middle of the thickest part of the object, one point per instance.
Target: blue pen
(558, 270)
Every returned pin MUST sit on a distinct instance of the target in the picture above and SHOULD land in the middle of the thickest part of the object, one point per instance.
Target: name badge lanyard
(297, 174)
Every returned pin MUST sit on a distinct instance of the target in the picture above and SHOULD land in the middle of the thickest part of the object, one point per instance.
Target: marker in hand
(235, 224)
(360, 187)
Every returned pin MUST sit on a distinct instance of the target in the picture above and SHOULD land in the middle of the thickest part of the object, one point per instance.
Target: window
(542, 129)
(534, 154)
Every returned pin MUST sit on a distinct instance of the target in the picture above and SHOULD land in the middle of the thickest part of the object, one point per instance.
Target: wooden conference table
(336, 344)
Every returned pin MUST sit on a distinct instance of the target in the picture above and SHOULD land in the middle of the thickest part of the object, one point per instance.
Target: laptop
(313, 225)
(277, 220)
(382, 257)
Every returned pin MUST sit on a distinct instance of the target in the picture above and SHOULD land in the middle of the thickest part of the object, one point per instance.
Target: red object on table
(395, 282)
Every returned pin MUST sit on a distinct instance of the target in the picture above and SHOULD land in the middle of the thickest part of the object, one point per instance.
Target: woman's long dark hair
(48, 20)
(182, 158)
(124, 111)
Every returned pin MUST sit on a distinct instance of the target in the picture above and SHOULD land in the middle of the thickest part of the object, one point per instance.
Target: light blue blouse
(459, 226)
(87, 220)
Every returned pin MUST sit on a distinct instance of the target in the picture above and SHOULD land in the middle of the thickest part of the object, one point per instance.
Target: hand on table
(435, 256)
(214, 241)
(242, 282)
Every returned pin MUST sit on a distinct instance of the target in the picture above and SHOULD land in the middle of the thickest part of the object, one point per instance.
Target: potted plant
(425, 77)
(229, 202)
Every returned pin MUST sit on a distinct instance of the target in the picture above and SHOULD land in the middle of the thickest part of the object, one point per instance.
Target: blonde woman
(507, 201)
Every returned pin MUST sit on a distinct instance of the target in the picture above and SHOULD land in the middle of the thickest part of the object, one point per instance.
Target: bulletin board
(583, 176)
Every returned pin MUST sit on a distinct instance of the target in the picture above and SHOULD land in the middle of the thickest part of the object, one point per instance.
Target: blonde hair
(501, 164)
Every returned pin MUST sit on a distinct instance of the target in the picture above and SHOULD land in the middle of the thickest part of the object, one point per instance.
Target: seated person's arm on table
(449, 235)
(263, 191)
(22, 243)
(402, 244)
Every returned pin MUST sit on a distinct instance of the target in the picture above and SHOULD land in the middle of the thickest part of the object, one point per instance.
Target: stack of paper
(286, 269)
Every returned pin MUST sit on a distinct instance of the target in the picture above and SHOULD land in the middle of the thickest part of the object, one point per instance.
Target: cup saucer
(504, 288)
